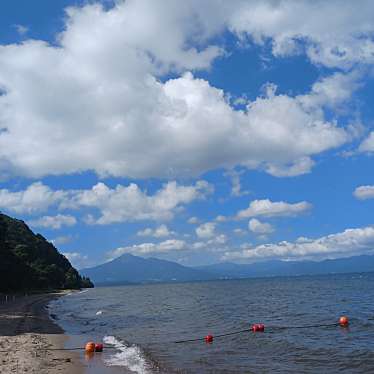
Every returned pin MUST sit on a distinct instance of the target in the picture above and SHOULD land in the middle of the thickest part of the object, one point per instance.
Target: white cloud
(78, 260)
(236, 188)
(212, 245)
(301, 166)
(193, 220)
(332, 33)
(21, 29)
(239, 231)
(364, 192)
(159, 232)
(368, 144)
(259, 227)
(37, 197)
(220, 239)
(267, 208)
(350, 242)
(122, 120)
(148, 248)
(333, 90)
(120, 204)
(206, 230)
(54, 222)
(131, 204)
(63, 239)
(220, 218)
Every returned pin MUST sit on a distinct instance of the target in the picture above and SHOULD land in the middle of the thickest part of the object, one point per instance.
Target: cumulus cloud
(368, 144)
(212, 245)
(37, 197)
(258, 227)
(54, 222)
(334, 33)
(119, 204)
(77, 259)
(101, 96)
(129, 203)
(364, 192)
(193, 220)
(148, 248)
(206, 230)
(158, 232)
(267, 208)
(344, 244)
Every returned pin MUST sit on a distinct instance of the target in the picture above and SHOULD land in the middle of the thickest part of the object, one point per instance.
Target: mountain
(134, 269)
(129, 269)
(356, 264)
(30, 262)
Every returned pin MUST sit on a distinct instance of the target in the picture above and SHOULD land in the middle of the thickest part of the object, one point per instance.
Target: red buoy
(343, 321)
(209, 339)
(258, 327)
(99, 347)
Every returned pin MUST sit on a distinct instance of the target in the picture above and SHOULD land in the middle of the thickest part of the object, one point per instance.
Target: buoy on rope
(90, 347)
(343, 321)
(99, 347)
(209, 339)
(258, 327)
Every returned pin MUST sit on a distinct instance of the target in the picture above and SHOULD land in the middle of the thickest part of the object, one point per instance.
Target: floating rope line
(303, 327)
(205, 338)
(91, 347)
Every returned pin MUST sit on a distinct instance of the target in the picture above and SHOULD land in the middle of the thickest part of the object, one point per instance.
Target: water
(141, 322)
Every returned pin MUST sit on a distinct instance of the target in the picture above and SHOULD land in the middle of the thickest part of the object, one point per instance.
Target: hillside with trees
(29, 262)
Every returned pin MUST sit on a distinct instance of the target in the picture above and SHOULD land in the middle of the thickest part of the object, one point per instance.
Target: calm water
(141, 321)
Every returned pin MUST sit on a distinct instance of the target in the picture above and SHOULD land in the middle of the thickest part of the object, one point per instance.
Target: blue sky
(197, 133)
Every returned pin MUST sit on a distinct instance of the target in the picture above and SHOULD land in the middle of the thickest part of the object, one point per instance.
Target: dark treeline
(30, 262)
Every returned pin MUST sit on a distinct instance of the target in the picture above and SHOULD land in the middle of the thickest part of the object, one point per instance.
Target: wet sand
(27, 335)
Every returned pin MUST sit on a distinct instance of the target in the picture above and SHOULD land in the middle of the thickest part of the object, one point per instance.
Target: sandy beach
(26, 334)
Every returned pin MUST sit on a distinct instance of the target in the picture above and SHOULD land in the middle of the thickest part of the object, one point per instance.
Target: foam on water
(84, 291)
(130, 357)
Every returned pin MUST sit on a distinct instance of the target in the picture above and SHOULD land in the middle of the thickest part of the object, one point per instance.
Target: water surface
(143, 321)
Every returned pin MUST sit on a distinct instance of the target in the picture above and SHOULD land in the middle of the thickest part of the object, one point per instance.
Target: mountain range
(128, 269)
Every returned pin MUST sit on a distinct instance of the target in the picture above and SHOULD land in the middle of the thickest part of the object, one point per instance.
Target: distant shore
(27, 331)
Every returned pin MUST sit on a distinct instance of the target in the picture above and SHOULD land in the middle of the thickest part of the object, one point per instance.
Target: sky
(198, 132)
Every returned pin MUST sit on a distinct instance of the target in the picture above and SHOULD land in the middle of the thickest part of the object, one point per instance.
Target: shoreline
(26, 334)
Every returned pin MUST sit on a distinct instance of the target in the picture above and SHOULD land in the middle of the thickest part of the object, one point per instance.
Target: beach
(28, 336)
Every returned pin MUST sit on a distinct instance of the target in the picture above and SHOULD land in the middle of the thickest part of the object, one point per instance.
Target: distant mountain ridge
(128, 269)
(29, 262)
(133, 269)
(356, 264)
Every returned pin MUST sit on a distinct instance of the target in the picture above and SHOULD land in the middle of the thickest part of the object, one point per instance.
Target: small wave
(84, 291)
(128, 356)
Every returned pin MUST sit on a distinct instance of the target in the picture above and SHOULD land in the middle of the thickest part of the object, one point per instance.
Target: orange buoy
(258, 327)
(343, 321)
(99, 347)
(90, 347)
(209, 339)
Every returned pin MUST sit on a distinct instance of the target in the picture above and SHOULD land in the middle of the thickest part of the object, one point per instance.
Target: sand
(26, 332)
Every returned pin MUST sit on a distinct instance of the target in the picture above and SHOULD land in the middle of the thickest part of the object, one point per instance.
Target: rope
(302, 327)
(248, 330)
(275, 328)
(215, 336)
